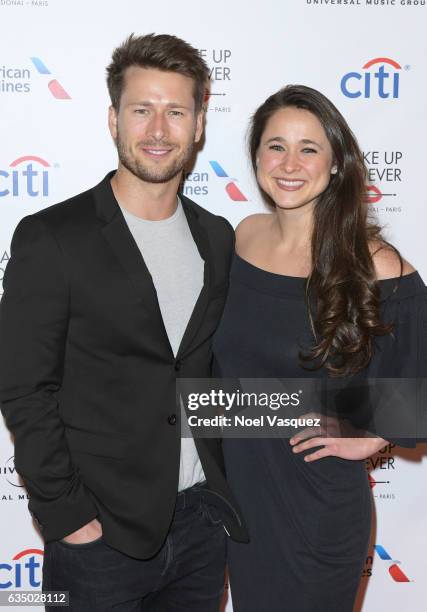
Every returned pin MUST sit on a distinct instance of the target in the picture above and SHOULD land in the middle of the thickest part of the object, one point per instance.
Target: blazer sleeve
(34, 314)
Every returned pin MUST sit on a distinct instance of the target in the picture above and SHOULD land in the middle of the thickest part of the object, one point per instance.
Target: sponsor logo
(231, 188)
(24, 570)
(27, 175)
(53, 85)
(373, 194)
(376, 3)
(394, 570)
(8, 470)
(218, 60)
(379, 468)
(385, 180)
(220, 73)
(373, 483)
(380, 79)
(14, 79)
(11, 486)
(196, 184)
(17, 79)
(25, 3)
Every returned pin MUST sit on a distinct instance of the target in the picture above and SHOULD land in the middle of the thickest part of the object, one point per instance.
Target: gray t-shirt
(175, 265)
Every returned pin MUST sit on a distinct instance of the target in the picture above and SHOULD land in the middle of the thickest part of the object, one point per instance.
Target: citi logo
(394, 570)
(23, 571)
(27, 175)
(231, 188)
(54, 86)
(379, 79)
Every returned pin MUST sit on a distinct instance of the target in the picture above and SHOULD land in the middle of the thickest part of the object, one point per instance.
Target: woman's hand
(352, 448)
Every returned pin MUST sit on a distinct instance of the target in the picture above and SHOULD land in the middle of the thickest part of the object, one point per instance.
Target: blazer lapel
(121, 241)
(202, 242)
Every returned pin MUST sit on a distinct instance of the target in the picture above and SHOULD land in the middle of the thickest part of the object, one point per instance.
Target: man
(108, 297)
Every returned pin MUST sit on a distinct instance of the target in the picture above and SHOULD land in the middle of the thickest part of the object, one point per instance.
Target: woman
(314, 292)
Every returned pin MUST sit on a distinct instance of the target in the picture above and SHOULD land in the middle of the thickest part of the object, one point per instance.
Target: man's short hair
(163, 52)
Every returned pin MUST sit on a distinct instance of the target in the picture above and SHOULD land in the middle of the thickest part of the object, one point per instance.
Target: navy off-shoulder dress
(309, 523)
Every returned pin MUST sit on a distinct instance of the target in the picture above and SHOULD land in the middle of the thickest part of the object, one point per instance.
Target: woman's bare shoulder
(252, 225)
(249, 231)
(387, 262)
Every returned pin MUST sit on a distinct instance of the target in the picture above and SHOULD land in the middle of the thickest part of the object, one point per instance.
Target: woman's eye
(276, 147)
(309, 150)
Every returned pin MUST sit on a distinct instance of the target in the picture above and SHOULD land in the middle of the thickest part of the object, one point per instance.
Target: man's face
(156, 126)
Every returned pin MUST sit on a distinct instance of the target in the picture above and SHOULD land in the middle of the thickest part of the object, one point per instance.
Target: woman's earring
(334, 170)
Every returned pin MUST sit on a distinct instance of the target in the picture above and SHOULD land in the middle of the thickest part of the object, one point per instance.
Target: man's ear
(200, 124)
(112, 122)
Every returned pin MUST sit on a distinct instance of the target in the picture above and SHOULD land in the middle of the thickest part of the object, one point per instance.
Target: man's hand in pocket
(88, 533)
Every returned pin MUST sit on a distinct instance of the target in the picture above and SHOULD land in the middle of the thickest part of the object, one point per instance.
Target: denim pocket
(212, 514)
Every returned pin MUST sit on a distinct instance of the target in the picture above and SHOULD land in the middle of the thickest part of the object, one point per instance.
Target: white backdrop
(367, 56)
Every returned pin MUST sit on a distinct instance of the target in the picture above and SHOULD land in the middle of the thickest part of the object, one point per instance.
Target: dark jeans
(186, 574)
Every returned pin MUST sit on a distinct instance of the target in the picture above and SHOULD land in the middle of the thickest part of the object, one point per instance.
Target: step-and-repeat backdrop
(368, 56)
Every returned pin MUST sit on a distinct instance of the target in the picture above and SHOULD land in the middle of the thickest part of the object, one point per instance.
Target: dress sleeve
(422, 371)
(398, 371)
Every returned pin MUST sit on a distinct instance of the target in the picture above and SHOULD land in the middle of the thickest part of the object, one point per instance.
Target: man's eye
(176, 113)
(141, 111)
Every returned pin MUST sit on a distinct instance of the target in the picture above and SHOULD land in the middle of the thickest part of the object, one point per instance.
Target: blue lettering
(367, 85)
(30, 173)
(5, 585)
(15, 177)
(381, 75)
(31, 176)
(5, 192)
(31, 565)
(396, 85)
(45, 183)
(18, 581)
(344, 88)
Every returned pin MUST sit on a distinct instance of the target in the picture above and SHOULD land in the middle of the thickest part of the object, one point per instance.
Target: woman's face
(294, 159)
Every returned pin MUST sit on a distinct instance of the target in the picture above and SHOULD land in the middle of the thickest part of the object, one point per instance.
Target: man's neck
(151, 201)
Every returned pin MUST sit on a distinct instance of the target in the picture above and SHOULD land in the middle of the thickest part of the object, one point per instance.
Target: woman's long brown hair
(342, 294)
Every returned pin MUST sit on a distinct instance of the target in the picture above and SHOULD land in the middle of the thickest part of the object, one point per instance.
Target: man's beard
(153, 175)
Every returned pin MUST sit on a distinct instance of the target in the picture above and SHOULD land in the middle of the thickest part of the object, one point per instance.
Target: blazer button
(172, 419)
(177, 365)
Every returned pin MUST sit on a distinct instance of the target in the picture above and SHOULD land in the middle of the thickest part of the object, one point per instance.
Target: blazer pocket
(103, 445)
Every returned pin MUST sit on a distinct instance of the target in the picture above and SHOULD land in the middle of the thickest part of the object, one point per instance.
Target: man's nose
(158, 127)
